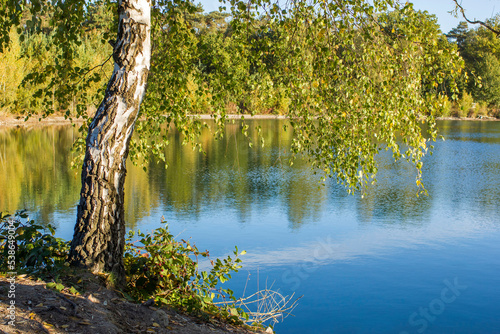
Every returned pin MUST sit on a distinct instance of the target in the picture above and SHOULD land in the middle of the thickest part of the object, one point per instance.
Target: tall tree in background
(352, 86)
(480, 48)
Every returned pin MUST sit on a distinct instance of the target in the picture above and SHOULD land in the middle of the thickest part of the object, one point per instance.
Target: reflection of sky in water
(364, 265)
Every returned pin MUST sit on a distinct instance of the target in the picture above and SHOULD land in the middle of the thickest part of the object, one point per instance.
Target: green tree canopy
(351, 77)
(480, 49)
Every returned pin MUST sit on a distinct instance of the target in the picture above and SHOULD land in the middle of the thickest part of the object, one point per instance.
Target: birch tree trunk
(99, 237)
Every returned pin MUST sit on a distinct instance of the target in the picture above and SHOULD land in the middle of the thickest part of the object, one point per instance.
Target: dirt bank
(98, 310)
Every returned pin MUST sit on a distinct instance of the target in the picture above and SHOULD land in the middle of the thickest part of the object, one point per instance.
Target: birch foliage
(354, 77)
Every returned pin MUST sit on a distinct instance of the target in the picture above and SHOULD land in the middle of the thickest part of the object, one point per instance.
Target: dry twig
(264, 305)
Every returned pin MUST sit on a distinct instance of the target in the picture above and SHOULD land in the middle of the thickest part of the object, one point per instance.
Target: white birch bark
(99, 236)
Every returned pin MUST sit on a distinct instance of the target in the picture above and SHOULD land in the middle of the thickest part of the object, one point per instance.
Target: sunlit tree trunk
(98, 240)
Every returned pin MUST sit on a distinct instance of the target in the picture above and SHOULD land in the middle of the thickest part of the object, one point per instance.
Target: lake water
(386, 263)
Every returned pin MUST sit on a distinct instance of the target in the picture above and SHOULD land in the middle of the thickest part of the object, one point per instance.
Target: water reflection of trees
(462, 171)
(231, 175)
(35, 171)
(473, 131)
(35, 174)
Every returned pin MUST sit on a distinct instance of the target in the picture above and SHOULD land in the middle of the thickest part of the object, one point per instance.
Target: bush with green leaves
(36, 251)
(160, 267)
(465, 105)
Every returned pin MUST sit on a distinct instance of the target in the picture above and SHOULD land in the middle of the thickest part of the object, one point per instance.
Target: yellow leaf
(39, 305)
(156, 324)
(62, 308)
(64, 326)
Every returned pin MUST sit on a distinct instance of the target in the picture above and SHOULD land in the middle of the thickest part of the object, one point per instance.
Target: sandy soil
(98, 310)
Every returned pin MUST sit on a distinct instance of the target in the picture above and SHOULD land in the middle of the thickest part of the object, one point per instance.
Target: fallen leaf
(62, 308)
(39, 305)
(73, 291)
(156, 324)
(64, 326)
(46, 324)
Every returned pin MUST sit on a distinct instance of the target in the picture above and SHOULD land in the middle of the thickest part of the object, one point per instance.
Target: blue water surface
(390, 262)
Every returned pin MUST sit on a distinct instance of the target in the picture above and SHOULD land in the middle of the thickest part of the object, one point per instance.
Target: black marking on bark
(98, 240)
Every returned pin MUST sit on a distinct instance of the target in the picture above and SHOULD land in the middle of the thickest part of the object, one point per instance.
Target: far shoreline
(8, 121)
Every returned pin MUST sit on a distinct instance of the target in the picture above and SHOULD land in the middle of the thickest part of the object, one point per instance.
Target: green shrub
(443, 106)
(465, 105)
(33, 250)
(482, 109)
(162, 268)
